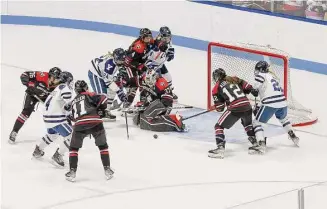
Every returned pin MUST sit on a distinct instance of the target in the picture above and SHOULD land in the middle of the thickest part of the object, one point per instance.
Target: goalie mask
(218, 74)
(151, 78)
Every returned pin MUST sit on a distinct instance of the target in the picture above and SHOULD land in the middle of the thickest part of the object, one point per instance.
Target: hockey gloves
(255, 92)
(170, 54)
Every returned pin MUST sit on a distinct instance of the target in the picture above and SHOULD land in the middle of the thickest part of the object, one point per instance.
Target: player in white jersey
(102, 76)
(162, 51)
(55, 119)
(273, 102)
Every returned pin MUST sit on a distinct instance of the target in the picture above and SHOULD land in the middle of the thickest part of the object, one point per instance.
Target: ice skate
(115, 105)
(57, 159)
(12, 137)
(294, 138)
(254, 147)
(262, 146)
(108, 172)
(108, 116)
(219, 152)
(38, 153)
(71, 175)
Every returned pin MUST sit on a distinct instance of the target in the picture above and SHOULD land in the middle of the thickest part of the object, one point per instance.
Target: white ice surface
(169, 172)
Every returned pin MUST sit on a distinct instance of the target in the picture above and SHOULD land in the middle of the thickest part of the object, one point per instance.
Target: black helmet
(145, 32)
(81, 86)
(66, 77)
(262, 67)
(164, 31)
(55, 72)
(119, 55)
(218, 74)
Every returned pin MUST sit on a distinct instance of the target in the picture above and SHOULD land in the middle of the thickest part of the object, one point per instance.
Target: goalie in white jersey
(102, 76)
(273, 102)
(55, 119)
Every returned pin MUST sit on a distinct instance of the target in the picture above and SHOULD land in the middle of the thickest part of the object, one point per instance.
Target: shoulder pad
(138, 46)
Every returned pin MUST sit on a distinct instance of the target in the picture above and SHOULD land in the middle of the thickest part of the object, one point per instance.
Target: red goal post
(239, 60)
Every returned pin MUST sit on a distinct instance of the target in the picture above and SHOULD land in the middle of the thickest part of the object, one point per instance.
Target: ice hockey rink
(172, 171)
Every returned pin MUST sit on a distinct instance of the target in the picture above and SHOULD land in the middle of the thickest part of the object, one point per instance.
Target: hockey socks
(20, 122)
(104, 153)
(73, 158)
(47, 140)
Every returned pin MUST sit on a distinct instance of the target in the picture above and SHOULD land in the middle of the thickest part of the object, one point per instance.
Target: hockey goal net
(240, 59)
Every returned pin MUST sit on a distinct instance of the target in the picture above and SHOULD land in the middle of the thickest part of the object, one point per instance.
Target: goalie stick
(134, 110)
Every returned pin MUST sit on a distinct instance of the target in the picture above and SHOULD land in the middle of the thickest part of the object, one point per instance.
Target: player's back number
(233, 91)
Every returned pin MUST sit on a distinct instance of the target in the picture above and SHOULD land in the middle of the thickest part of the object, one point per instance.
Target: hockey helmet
(55, 72)
(81, 86)
(145, 32)
(218, 74)
(151, 77)
(119, 55)
(165, 34)
(66, 77)
(262, 67)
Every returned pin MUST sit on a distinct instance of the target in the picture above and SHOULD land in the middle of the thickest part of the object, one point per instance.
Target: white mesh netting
(240, 59)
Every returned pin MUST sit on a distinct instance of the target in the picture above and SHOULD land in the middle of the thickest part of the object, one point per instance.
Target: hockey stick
(126, 125)
(131, 110)
(198, 114)
(38, 98)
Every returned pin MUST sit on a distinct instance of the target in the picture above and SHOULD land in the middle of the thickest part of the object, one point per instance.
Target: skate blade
(53, 162)
(109, 177)
(296, 143)
(70, 179)
(11, 142)
(218, 156)
(256, 152)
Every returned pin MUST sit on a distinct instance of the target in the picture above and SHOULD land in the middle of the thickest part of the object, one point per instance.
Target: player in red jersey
(135, 61)
(39, 85)
(231, 92)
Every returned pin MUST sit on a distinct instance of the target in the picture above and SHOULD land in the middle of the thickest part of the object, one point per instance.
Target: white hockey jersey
(270, 92)
(105, 68)
(156, 58)
(55, 113)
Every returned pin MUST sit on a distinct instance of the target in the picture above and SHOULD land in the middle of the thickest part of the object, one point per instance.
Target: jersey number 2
(276, 85)
(236, 91)
(79, 109)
